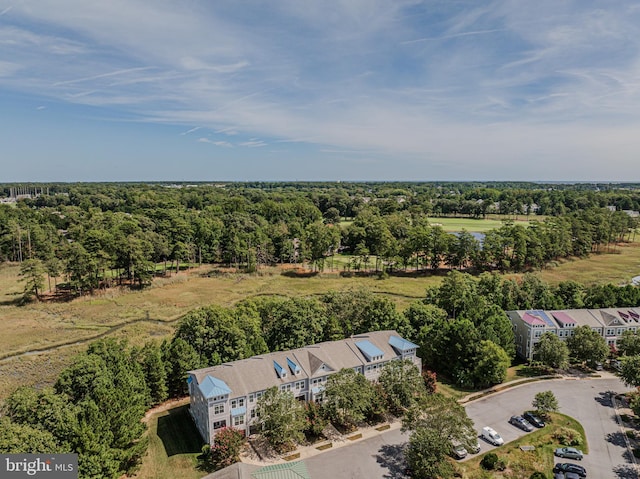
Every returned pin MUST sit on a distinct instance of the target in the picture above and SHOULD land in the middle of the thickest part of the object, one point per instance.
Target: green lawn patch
(522, 463)
(174, 445)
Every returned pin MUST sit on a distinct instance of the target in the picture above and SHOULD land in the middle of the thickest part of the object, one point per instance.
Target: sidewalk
(304, 452)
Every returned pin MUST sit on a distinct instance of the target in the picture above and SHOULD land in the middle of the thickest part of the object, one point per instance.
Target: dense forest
(97, 234)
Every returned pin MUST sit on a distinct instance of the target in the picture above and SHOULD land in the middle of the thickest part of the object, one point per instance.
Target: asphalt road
(586, 400)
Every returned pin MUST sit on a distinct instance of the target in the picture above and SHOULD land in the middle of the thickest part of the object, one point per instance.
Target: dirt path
(170, 404)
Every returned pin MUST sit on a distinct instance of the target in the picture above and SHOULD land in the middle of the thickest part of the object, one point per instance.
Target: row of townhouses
(610, 323)
(227, 394)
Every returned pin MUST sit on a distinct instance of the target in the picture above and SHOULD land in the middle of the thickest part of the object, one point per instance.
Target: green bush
(538, 475)
(501, 465)
(489, 461)
(636, 452)
(631, 434)
(568, 436)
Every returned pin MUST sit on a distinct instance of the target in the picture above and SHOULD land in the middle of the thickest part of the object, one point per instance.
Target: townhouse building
(227, 394)
(530, 325)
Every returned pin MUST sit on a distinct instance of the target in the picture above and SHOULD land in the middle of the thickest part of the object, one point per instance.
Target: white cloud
(499, 84)
(225, 144)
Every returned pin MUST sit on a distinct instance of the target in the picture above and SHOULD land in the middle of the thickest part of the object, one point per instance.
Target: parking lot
(586, 400)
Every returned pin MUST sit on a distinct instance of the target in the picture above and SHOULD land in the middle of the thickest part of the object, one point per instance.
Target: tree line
(100, 234)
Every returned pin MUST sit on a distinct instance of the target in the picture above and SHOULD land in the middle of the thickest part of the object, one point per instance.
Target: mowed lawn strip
(174, 445)
(524, 463)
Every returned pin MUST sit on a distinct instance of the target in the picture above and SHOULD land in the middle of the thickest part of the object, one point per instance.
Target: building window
(300, 385)
(219, 424)
(317, 381)
(619, 331)
(218, 408)
(238, 420)
(258, 395)
(285, 387)
(610, 332)
(253, 413)
(251, 397)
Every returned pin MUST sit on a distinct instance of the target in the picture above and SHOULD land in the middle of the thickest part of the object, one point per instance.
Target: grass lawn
(521, 464)
(480, 225)
(174, 445)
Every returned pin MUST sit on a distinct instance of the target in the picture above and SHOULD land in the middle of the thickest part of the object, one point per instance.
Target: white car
(491, 436)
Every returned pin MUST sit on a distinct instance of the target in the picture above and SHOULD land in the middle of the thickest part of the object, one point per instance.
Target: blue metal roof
(368, 349)
(543, 316)
(279, 369)
(401, 344)
(294, 367)
(238, 411)
(212, 387)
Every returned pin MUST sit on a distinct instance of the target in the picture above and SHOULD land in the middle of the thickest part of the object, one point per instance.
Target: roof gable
(370, 351)
(212, 387)
(400, 344)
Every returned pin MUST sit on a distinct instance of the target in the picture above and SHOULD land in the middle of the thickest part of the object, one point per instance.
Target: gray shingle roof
(258, 372)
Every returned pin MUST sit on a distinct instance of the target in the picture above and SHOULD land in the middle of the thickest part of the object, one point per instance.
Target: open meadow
(40, 339)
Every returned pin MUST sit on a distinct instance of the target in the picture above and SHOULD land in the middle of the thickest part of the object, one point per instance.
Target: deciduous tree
(552, 351)
(282, 418)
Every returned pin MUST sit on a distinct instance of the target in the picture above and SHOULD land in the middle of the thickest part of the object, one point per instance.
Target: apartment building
(227, 394)
(530, 325)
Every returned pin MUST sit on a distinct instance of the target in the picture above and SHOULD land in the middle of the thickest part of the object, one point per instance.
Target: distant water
(476, 235)
(635, 281)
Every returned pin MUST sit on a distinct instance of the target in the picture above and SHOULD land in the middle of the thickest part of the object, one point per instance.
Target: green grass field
(480, 225)
(174, 445)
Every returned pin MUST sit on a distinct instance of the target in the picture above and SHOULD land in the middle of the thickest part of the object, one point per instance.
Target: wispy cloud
(191, 130)
(253, 143)
(6, 10)
(412, 83)
(225, 144)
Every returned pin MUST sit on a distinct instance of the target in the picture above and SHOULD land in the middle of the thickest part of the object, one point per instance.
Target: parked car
(459, 451)
(521, 423)
(476, 448)
(566, 467)
(615, 364)
(569, 453)
(491, 436)
(533, 419)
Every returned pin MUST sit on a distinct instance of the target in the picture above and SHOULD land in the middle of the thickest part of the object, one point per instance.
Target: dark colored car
(569, 467)
(521, 422)
(533, 419)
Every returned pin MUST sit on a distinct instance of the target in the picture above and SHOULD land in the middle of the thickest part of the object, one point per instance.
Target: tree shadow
(392, 458)
(604, 399)
(616, 438)
(178, 433)
(625, 471)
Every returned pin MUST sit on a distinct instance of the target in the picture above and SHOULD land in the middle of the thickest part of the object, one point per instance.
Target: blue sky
(319, 90)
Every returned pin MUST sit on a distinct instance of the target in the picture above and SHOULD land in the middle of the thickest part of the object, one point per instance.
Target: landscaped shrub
(501, 465)
(489, 461)
(631, 434)
(636, 452)
(226, 447)
(568, 436)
